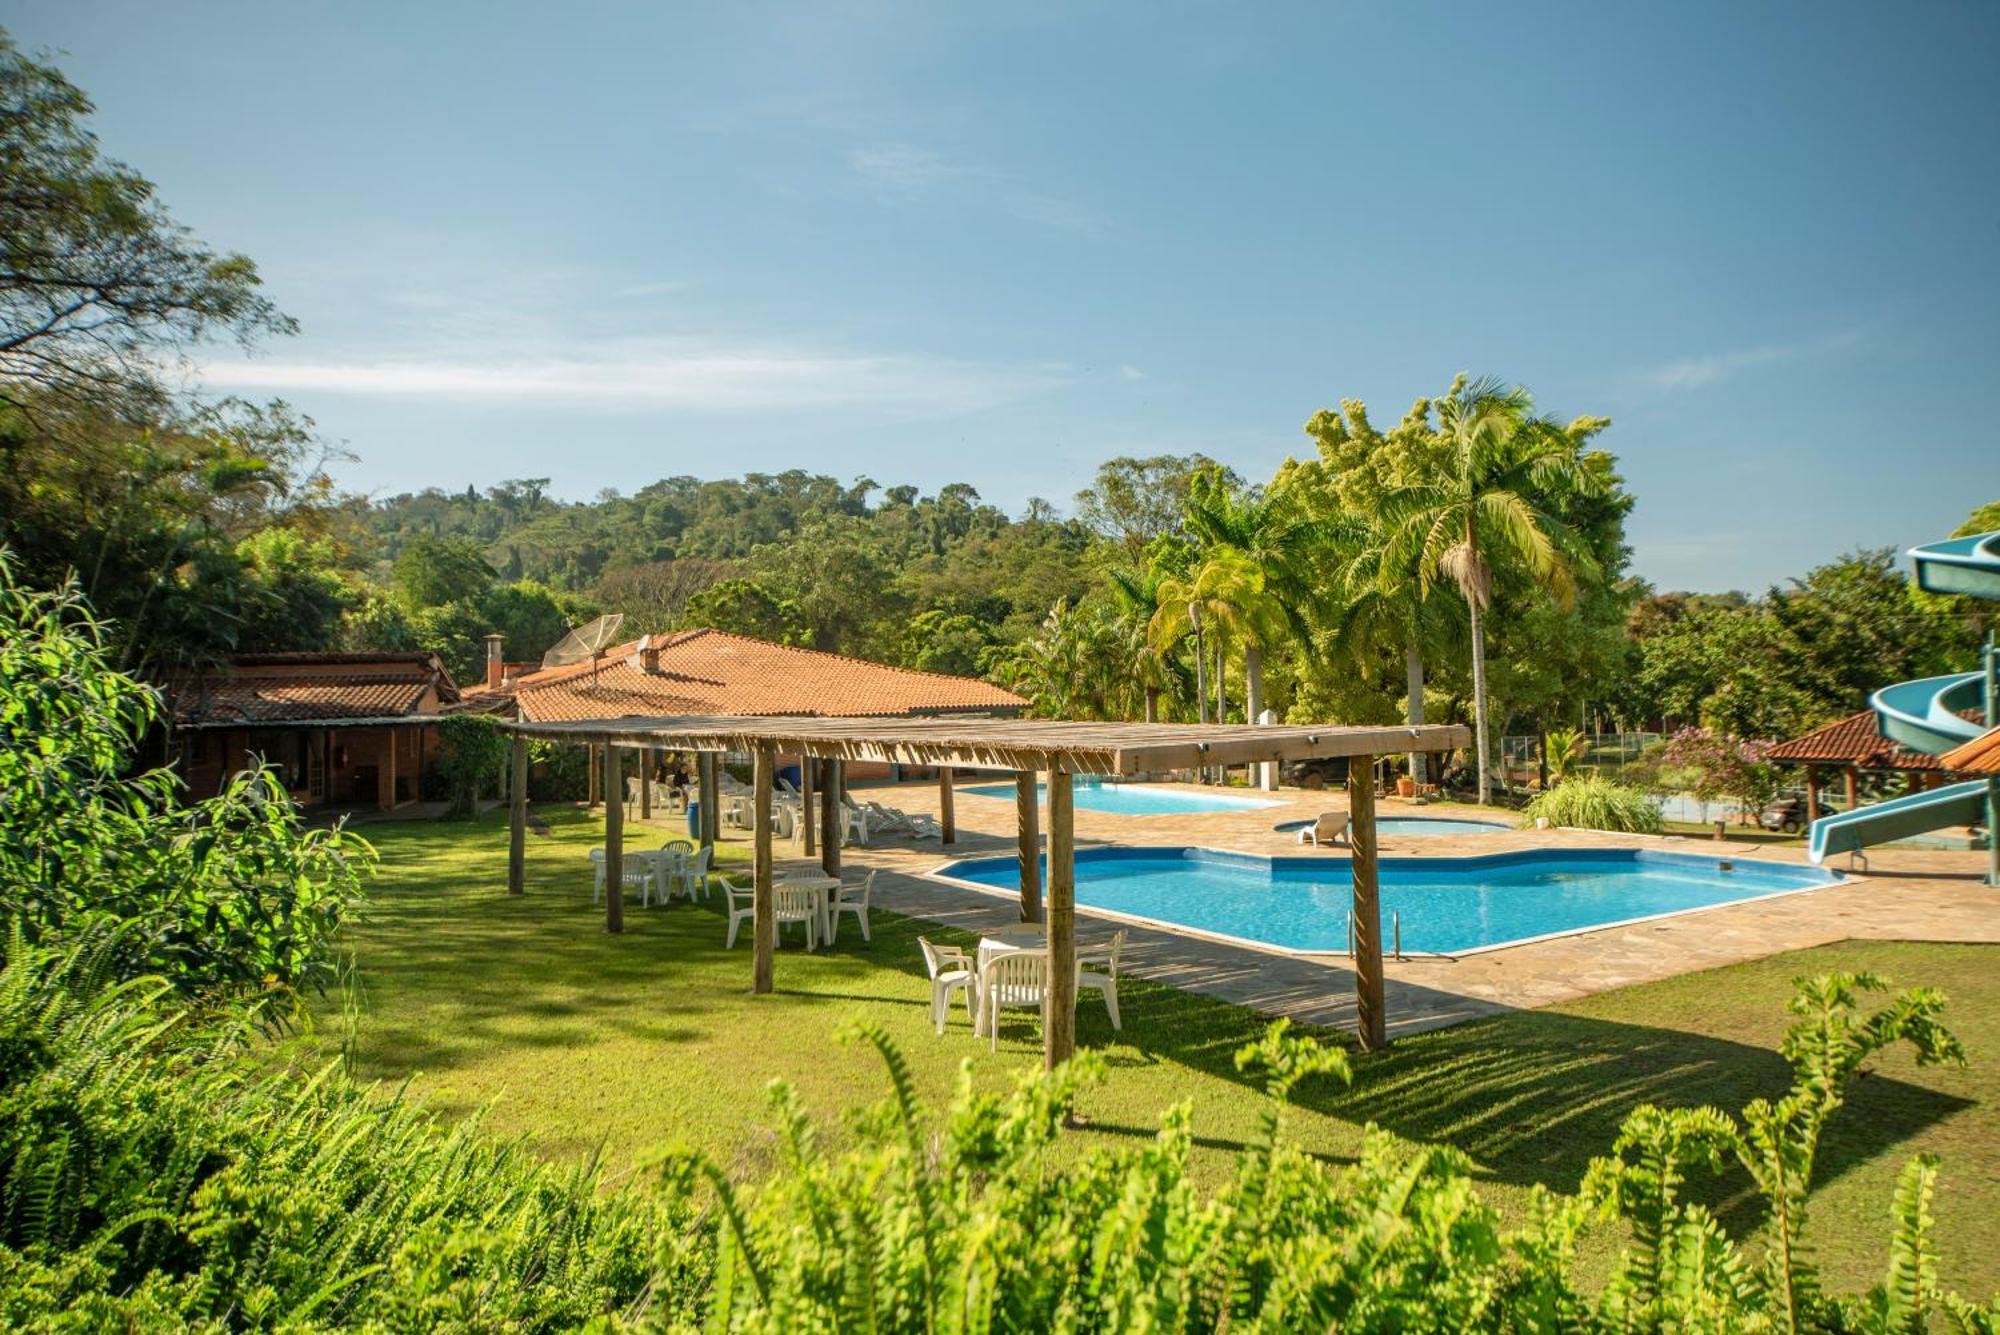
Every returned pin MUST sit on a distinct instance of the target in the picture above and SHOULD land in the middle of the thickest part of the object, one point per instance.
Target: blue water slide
(1931, 716)
(1917, 813)
(1925, 715)
(1960, 565)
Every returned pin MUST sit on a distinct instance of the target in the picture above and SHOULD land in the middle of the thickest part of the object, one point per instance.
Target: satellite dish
(585, 642)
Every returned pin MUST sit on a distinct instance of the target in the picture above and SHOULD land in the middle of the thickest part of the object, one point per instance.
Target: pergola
(1033, 748)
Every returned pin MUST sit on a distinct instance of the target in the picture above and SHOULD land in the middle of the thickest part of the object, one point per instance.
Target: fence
(1606, 753)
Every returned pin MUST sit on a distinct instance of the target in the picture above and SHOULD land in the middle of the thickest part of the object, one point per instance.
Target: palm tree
(1225, 597)
(1152, 667)
(1272, 535)
(1384, 612)
(1488, 500)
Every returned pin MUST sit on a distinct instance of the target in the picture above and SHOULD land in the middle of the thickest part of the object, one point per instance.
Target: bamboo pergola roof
(1005, 743)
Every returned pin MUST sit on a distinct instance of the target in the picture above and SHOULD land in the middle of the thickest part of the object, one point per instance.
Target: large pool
(1445, 906)
(1130, 799)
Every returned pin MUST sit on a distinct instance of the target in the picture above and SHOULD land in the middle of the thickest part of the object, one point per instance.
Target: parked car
(1324, 773)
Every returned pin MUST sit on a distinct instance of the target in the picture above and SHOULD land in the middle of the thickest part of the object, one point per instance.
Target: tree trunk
(1253, 702)
(1200, 683)
(1479, 699)
(1152, 704)
(1221, 700)
(1413, 712)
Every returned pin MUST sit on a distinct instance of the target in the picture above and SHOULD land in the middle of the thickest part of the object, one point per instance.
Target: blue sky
(605, 243)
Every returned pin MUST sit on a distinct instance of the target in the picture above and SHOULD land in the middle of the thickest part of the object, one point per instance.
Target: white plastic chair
(850, 899)
(636, 873)
(1102, 974)
(742, 905)
(1019, 979)
(854, 823)
(951, 971)
(796, 903)
(691, 877)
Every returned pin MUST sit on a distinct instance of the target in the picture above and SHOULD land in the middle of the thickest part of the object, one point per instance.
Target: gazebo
(1854, 746)
(1032, 748)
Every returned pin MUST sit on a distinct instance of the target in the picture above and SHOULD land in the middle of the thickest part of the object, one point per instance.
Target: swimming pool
(1447, 906)
(1130, 799)
(1412, 825)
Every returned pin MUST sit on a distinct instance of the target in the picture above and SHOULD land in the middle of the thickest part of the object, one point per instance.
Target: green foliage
(1564, 752)
(96, 279)
(228, 892)
(152, 1178)
(472, 759)
(744, 607)
(1592, 803)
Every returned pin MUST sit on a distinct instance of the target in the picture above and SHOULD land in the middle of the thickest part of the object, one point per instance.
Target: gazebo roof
(1019, 744)
(1856, 740)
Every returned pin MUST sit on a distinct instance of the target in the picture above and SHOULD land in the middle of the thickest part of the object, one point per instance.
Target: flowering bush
(1722, 767)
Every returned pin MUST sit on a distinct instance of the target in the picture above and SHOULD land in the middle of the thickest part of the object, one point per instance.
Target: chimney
(649, 655)
(495, 669)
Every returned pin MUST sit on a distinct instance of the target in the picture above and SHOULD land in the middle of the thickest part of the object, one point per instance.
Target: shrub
(228, 892)
(1592, 803)
(472, 759)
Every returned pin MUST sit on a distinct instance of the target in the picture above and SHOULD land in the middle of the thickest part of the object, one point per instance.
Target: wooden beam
(386, 799)
(833, 821)
(765, 925)
(706, 791)
(517, 818)
(645, 783)
(596, 780)
(947, 806)
(614, 843)
(1059, 1025)
(808, 809)
(1028, 843)
(1371, 1017)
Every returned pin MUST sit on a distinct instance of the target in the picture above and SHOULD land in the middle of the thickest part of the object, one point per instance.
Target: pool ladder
(1396, 934)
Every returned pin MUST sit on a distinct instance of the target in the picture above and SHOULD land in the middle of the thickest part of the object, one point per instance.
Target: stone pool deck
(1909, 895)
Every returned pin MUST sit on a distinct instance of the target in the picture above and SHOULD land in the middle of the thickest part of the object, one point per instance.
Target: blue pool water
(1131, 799)
(1413, 825)
(1447, 905)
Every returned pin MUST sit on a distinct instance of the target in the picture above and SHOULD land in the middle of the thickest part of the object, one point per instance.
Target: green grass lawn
(578, 1041)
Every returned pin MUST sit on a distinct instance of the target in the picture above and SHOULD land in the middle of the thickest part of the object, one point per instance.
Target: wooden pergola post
(833, 821)
(1853, 793)
(1812, 793)
(764, 928)
(710, 820)
(947, 807)
(1059, 1024)
(808, 813)
(614, 843)
(596, 780)
(645, 783)
(1371, 1014)
(517, 816)
(1028, 820)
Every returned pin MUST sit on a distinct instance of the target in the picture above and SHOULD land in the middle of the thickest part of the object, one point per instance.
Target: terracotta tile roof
(1855, 740)
(1981, 755)
(714, 672)
(289, 688)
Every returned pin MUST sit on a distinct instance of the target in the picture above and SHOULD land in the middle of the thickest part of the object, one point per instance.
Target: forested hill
(889, 573)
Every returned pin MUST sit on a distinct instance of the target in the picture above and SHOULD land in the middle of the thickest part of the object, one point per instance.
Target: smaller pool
(1130, 799)
(1412, 825)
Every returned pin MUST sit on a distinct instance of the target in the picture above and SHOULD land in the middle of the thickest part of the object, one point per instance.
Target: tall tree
(1263, 531)
(1486, 503)
(98, 283)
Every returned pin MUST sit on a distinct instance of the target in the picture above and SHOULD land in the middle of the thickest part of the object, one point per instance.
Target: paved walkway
(1907, 895)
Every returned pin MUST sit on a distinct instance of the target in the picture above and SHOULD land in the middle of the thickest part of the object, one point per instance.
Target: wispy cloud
(1691, 373)
(910, 170)
(1130, 373)
(704, 376)
(663, 287)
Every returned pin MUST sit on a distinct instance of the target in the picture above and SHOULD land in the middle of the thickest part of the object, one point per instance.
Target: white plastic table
(1002, 941)
(822, 887)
